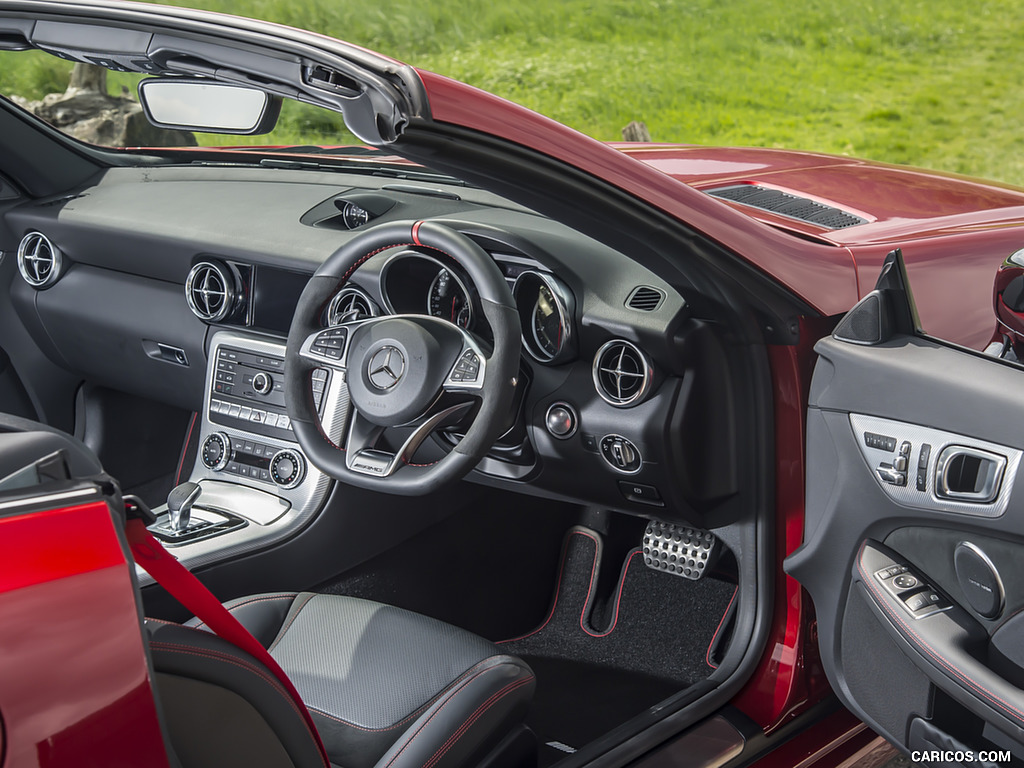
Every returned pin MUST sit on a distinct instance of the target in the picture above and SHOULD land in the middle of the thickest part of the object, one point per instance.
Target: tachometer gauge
(548, 330)
(546, 310)
(449, 299)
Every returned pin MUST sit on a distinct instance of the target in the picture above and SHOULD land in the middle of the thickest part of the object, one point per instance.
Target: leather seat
(386, 688)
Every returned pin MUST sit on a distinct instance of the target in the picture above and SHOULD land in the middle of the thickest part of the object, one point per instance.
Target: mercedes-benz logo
(386, 367)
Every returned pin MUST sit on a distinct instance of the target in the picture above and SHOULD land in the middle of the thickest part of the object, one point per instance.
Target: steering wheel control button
(879, 442)
(287, 468)
(621, 454)
(216, 451)
(467, 369)
(679, 550)
(561, 420)
(979, 579)
(330, 344)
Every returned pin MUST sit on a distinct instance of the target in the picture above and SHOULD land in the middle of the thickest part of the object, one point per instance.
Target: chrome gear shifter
(179, 505)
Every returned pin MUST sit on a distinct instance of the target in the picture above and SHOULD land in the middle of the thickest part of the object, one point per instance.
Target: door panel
(914, 540)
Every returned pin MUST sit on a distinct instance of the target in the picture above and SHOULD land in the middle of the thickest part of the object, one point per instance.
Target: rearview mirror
(208, 107)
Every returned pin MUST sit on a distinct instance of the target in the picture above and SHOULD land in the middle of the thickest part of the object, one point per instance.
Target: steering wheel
(414, 371)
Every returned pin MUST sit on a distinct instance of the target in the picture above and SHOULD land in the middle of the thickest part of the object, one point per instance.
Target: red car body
(76, 689)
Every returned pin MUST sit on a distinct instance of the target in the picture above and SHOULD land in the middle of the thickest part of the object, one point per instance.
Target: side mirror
(208, 106)
(1008, 302)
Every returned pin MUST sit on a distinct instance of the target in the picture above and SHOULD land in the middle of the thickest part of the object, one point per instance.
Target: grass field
(934, 83)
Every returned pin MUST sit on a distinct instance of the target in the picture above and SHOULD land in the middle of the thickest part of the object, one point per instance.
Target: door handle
(968, 474)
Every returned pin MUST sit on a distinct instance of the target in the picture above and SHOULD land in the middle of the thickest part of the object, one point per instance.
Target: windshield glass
(101, 107)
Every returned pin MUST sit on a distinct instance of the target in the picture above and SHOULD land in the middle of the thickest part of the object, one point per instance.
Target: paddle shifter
(179, 505)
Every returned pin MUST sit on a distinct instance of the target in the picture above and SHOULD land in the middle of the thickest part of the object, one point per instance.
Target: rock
(96, 117)
(636, 131)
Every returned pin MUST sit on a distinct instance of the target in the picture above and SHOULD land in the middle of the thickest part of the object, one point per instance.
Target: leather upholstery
(386, 688)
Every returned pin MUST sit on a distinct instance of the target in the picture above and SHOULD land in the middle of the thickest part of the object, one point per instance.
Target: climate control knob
(216, 451)
(287, 468)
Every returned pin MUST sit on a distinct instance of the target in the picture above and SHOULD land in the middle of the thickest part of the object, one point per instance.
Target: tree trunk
(636, 131)
(88, 77)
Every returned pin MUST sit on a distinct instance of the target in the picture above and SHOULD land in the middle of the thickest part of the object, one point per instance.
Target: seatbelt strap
(190, 592)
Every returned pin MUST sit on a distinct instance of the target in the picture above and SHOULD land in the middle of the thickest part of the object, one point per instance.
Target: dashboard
(623, 402)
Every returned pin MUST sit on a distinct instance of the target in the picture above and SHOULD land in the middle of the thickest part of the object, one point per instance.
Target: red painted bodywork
(820, 273)
(971, 225)
(968, 225)
(76, 684)
(789, 677)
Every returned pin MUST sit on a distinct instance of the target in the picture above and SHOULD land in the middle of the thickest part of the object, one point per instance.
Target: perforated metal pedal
(680, 550)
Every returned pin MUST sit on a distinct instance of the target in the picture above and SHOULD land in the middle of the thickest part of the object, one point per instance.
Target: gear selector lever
(179, 505)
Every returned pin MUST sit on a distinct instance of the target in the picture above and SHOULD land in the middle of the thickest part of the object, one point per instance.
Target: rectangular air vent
(645, 298)
(785, 204)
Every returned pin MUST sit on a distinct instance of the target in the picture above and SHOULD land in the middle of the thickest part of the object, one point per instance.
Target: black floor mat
(576, 702)
(602, 659)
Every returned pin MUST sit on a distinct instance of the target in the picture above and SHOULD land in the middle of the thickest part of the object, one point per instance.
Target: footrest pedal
(680, 550)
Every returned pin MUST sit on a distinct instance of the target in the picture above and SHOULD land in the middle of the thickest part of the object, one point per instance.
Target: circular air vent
(39, 261)
(210, 291)
(622, 374)
(350, 304)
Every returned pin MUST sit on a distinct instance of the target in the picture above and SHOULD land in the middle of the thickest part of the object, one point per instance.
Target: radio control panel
(247, 392)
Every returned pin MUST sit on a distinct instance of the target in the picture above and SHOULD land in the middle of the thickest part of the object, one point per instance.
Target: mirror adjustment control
(905, 581)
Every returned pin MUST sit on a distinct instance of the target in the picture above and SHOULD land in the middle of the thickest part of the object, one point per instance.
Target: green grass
(934, 83)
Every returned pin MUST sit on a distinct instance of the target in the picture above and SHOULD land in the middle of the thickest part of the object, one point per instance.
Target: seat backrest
(222, 707)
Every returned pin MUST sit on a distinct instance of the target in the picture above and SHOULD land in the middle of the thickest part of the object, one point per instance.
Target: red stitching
(558, 586)
(241, 663)
(476, 716)
(420, 709)
(448, 701)
(284, 629)
(184, 448)
(250, 601)
(931, 651)
(371, 254)
(618, 599)
(707, 656)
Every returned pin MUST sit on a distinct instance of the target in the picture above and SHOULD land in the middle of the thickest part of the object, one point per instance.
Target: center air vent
(350, 304)
(210, 291)
(39, 261)
(645, 298)
(785, 204)
(622, 374)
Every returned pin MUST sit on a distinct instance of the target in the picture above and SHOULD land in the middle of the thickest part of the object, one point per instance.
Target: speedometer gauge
(547, 322)
(449, 299)
(546, 310)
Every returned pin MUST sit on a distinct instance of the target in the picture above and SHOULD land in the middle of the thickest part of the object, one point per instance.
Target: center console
(257, 485)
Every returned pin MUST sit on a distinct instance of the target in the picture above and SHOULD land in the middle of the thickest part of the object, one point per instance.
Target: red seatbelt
(190, 592)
